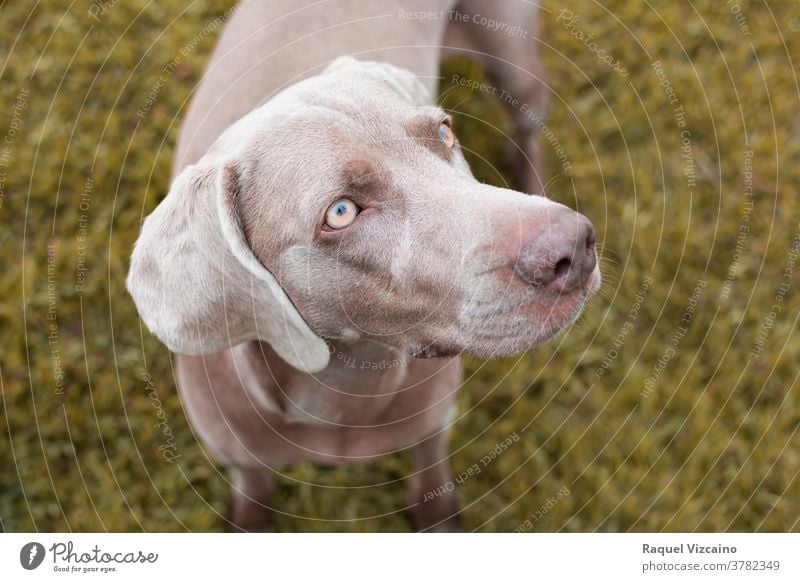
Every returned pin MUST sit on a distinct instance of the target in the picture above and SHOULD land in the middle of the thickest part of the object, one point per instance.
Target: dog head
(343, 208)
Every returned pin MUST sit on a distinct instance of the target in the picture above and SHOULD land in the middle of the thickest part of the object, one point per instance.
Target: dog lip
(585, 294)
(561, 323)
(553, 330)
(432, 351)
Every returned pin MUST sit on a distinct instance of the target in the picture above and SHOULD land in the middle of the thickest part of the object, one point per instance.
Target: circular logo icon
(31, 555)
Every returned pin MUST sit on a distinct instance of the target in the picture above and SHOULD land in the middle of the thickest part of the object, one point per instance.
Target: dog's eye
(341, 214)
(446, 135)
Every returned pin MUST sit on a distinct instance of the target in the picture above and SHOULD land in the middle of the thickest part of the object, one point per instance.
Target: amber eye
(341, 214)
(446, 135)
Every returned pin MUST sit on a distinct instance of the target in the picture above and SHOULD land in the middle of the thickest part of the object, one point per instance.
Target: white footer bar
(401, 557)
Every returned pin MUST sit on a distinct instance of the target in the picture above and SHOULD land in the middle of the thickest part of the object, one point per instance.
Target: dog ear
(403, 82)
(199, 287)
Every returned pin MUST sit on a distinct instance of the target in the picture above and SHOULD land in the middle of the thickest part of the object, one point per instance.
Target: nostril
(591, 239)
(562, 268)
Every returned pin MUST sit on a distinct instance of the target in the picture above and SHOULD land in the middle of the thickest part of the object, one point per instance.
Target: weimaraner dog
(324, 253)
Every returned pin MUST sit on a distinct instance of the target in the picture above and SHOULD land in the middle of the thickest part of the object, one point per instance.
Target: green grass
(712, 447)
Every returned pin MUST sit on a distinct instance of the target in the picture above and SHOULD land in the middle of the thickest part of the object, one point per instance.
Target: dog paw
(450, 525)
(441, 518)
(250, 518)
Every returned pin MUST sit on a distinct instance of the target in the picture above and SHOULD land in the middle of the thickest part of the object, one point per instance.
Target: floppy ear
(199, 287)
(404, 82)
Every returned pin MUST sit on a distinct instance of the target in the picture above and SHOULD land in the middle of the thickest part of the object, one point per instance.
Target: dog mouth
(514, 328)
(492, 345)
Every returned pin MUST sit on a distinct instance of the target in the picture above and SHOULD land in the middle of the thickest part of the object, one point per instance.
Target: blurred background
(672, 405)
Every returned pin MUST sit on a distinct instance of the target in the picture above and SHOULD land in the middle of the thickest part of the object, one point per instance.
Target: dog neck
(360, 382)
(364, 355)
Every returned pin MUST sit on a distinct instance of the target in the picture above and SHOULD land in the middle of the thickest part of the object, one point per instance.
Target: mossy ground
(712, 445)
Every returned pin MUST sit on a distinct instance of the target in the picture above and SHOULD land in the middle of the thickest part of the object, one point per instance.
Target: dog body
(305, 343)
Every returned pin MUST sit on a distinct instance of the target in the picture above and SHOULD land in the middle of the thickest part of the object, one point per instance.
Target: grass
(646, 425)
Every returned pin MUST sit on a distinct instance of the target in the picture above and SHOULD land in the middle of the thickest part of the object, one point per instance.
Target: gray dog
(324, 253)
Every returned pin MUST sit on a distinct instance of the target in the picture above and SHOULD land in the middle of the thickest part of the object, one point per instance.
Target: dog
(324, 253)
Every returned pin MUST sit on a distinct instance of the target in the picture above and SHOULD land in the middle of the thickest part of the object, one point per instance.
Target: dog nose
(562, 257)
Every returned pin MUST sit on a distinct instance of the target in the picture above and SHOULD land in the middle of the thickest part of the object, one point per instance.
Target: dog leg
(502, 35)
(252, 493)
(432, 499)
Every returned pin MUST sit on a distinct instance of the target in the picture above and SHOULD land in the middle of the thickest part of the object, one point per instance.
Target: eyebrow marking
(363, 176)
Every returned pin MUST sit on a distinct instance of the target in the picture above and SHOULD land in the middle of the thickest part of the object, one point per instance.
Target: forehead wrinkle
(366, 111)
(356, 104)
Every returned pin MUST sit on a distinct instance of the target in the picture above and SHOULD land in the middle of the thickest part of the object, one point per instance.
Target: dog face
(349, 195)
